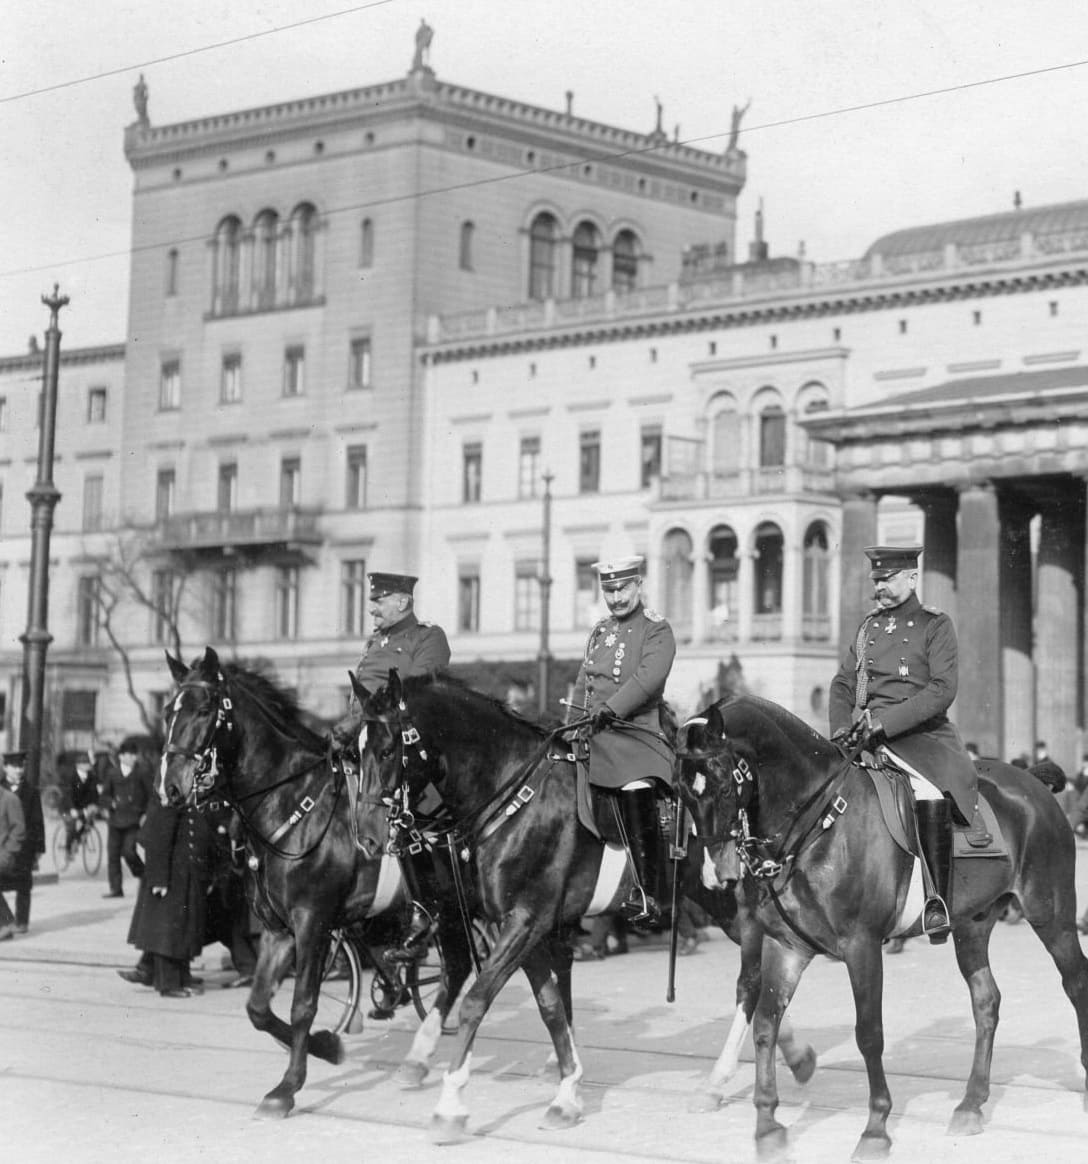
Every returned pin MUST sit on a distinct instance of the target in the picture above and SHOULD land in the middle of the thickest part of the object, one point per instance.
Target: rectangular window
(589, 462)
(287, 602)
(88, 624)
(526, 597)
(468, 599)
(359, 363)
(77, 711)
(528, 466)
(651, 454)
(92, 502)
(3, 414)
(772, 438)
(171, 272)
(165, 485)
(472, 471)
(162, 605)
(352, 596)
(225, 605)
(356, 478)
(170, 386)
(230, 379)
(96, 406)
(290, 482)
(587, 593)
(227, 492)
(294, 371)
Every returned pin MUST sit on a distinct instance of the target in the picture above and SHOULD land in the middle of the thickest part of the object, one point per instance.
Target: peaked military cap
(383, 584)
(15, 759)
(618, 570)
(889, 560)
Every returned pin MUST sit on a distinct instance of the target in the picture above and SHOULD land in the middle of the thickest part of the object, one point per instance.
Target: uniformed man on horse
(621, 685)
(895, 687)
(413, 647)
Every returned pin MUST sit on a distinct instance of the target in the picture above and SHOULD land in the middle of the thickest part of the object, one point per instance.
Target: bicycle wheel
(92, 850)
(61, 857)
(423, 978)
(341, 984)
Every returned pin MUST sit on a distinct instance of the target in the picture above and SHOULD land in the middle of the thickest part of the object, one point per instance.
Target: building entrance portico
(998, 468)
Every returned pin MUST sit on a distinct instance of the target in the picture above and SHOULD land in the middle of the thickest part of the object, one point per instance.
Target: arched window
(265, 252)
(228, 262)
(767, 578)
(304, 231)
(543, 244)
(813, 454)
(676, 558)
(772, 436)
(724, 436)
(366, 243)
(587, 247)
(468, 231)
(815, 584)
(625, 253)
(723, 591)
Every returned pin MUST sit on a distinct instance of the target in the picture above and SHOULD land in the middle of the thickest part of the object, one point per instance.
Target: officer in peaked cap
(895, 687)
(621, 685)
(400, 640)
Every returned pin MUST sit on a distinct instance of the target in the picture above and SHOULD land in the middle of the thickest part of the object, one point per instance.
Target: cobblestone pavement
(94, 1069)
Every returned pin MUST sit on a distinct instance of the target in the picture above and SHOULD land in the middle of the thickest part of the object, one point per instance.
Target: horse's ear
(361, 693)
(177, 667)
(715, 726)
(396, 691)
(210, 663)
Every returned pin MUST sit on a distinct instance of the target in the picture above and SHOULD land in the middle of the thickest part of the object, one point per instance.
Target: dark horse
(827, 877)
(236, 732)
(509, 795)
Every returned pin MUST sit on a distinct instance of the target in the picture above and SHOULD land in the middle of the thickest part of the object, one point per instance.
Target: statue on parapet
(139, 99)
(424, 36)
(734, 129)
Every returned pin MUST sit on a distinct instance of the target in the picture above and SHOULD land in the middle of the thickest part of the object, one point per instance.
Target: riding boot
(418, 869)
(935, 833)
(638, 811)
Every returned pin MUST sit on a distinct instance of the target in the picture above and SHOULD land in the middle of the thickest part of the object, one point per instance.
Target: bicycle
(87, 840)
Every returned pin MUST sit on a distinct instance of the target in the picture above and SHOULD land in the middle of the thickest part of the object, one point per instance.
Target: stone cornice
(102, 354)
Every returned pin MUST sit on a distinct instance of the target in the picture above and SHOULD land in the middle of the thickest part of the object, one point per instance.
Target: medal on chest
(904, 670)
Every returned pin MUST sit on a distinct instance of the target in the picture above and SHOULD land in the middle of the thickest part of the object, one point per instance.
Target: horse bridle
(206, 754)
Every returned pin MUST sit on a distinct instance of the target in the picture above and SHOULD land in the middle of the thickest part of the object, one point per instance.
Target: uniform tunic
(907, 675)
(413, 647)
(626, 664)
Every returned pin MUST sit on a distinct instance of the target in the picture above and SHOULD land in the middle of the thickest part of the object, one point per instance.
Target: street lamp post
(43, 498)
(543, 658)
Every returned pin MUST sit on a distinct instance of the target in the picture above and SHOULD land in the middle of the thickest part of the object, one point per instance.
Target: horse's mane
(775, 718)
(461, 692)
(278, 701)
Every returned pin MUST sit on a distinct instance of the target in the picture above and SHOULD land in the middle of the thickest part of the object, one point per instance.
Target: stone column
(856, 591)
(792, 598)
(939, 562)
(700, 596)
(1059, 625)
(979, 704)
(746, 591)
(1017, 665)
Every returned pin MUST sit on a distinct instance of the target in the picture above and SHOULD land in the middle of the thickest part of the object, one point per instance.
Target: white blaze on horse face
(708, 873)
(362, 740)
(698, 785)
(161, 789)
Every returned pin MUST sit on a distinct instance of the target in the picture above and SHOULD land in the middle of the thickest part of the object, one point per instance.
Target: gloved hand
(840, 736)
(874, 733)
(603, 718)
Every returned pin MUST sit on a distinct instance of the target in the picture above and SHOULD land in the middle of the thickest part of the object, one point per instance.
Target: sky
(830, 178)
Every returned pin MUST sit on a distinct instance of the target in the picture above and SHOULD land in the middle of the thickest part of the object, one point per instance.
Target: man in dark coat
(895, 686)
(124, 793)
(21, 879)
(621, 684)
(12, 835)
(168, 922)
(80, 799)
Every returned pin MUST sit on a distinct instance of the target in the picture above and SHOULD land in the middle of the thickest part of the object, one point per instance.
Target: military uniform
(626, 664)
(903, 665)
(413, 647)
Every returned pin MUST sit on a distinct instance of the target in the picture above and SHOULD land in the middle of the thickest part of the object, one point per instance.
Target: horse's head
(391, 751)
(716, 778)
(199, 729)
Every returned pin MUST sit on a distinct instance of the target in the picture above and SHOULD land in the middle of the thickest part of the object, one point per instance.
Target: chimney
(1017, 201)
(570, 102)
(758, 251)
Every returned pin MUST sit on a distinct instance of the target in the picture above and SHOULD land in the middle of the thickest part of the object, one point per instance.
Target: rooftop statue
(734, 130)
(424, 36)
(139, 99)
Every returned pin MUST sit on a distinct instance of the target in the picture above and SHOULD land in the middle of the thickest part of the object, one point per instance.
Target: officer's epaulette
(931, 609)
(420, 622)
(652, 615)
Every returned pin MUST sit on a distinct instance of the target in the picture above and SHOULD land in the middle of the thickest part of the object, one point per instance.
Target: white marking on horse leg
(726, 1066)
(708, 873)
(426, 1041)
(451, 1105)
(567, 1098)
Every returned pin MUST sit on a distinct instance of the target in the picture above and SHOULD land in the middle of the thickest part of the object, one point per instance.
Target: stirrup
(937, 934)
(414, 946)
(640, 909)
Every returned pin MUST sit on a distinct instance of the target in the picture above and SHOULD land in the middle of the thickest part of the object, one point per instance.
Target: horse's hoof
(274, 1107)
(557, 1119)
(325, 1045)
(965, 1122)
(449, 1129)
(773, 1146)
(704, 1101)
(804, 1068)
(872, 1146)
(410, 1075)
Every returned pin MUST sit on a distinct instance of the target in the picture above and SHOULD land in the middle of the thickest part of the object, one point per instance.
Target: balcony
(276, 534)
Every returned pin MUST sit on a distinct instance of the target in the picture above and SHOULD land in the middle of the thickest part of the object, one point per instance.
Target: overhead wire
(514, 174)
